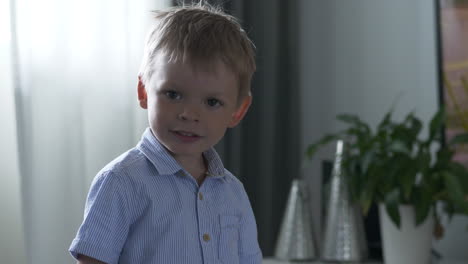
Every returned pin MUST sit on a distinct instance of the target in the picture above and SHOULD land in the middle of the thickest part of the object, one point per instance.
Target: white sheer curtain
(76, 64)
(11, 228)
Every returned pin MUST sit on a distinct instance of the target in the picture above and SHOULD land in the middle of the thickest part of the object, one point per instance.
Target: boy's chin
(184, 151)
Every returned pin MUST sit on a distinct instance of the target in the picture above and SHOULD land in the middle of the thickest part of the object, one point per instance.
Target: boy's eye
(173, 95)
(213, 102)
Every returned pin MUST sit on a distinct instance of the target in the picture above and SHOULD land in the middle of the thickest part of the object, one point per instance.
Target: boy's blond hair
(202, 35)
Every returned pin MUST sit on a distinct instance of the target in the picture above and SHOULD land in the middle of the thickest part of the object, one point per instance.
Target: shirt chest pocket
(228, 246)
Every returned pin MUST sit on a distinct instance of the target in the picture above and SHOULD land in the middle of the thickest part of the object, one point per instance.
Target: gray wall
(361, 57)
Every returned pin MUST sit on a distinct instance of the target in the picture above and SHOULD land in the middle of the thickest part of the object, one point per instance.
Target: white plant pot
(409, 244)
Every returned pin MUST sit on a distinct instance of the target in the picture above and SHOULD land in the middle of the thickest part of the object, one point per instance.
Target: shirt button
(206, 237)
(200, 196)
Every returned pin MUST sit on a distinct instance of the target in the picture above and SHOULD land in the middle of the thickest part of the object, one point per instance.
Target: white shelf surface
(276, 261)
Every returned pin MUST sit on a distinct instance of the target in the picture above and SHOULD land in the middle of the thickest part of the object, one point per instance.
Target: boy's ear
(241, 111)
(142, 96)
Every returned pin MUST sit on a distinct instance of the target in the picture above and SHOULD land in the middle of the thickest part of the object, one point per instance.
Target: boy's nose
(189, 114)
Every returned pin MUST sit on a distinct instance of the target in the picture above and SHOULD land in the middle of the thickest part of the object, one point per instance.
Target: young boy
(170, 199)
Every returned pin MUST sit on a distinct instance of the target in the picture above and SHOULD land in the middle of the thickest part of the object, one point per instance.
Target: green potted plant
(395, 167)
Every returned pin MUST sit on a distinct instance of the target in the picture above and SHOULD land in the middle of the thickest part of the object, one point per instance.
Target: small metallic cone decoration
(295, 240)
(344, 238)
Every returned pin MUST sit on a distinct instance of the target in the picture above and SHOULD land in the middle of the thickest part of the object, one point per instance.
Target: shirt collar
(165, 164)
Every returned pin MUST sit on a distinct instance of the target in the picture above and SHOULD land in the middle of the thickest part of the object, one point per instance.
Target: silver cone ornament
(344, 236)
(295, 240)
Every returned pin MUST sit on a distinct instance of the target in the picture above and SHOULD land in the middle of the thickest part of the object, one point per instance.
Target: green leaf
(398, 146)
(352, 169)
(407, 180)
(461, 172)
(422, 213)
(367, 159)
(412, 126)
(436, 123)
(354, 121)
(313, 148)
(386, 121)
(351, 119)
(455, 188)
(370, 182)
(444, 157)
(422, 205)
(405, 173)
(459, 139)
(423, 160)
(403, 134)
(389, 181)
(416, 126)
(391, 204)
(366, 201)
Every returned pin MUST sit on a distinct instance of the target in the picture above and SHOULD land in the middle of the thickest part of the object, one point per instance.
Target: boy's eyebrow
(215, 94)
(168, 84)
(165, 84)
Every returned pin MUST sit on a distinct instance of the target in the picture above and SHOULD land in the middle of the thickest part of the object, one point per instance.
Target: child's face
(189, 110)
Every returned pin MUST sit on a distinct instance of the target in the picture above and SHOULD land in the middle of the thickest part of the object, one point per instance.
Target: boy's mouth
(186, 136)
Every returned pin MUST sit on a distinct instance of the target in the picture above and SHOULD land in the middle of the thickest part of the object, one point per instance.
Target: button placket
(206, 237)
(205, 226)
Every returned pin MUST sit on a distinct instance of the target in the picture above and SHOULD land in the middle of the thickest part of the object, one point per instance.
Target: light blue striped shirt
(143, 207)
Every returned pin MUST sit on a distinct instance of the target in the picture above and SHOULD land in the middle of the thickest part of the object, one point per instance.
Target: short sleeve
(106, 220)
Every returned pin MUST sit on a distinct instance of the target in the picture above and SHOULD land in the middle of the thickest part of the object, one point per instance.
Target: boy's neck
(197, 167)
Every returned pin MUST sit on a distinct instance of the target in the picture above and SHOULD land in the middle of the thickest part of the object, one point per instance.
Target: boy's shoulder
(127, 160)
(230, 177)
(234, 182)
(127, 167)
